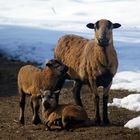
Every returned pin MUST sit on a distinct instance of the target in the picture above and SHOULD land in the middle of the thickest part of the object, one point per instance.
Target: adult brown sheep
(32, 80)
(93, 62)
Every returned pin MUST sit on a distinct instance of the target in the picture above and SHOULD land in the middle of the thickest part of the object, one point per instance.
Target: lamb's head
(57, 67)
(49, 99)
(103, 31)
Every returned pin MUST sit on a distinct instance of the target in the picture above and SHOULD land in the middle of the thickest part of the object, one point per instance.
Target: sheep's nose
(65, 69)
(103, 42)
(46, 105)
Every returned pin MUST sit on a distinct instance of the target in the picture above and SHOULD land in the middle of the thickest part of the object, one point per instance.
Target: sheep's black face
(103, 31)
(49, 99)
(57, 67)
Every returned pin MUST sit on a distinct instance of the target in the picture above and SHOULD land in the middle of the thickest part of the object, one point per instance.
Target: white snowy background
(29, 30)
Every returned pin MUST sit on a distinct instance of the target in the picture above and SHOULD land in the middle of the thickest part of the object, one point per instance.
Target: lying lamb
(67, 116)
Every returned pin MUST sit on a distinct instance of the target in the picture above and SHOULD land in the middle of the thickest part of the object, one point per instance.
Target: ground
(9, 113)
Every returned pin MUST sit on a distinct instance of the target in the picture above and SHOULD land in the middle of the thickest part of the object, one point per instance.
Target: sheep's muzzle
(103, 42)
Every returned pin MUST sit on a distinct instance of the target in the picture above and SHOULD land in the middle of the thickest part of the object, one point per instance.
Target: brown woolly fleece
(31, 79)
(85, 58)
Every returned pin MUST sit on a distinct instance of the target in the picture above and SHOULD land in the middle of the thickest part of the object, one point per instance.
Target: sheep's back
(27, 77)
(75, 111)
(69, 50)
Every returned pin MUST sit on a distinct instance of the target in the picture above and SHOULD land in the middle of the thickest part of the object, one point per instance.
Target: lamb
(67, 116)
(31, 80)
(93, 62)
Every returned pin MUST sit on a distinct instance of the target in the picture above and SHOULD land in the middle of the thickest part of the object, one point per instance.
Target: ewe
(93, 62)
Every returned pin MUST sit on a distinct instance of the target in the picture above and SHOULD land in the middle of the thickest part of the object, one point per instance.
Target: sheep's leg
(35, 103)
(105, 102)
(93, 88)
(31, 103)
(48, 125)
(76, 92)
(22, 106)
(66, 123)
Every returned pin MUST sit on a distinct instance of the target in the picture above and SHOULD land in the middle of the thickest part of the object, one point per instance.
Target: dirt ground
(9, 113)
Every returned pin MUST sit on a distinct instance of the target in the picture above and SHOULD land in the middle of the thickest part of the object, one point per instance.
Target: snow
(127, 80)
(30, 29)
(28, 44)
(68, 13)
(131, 102)
(134, 123)
(34, 26)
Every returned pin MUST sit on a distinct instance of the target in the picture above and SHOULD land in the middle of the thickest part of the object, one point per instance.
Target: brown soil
(9, 113)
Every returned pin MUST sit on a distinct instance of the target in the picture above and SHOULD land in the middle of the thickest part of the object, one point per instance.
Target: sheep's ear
(41, 91)
(90, 25)
(116, 25)
(57, 91)
(39, 96)
(48, 64)
(48, 91)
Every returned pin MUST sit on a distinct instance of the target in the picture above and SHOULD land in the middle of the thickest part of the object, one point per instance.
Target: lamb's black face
(103, 31)
(48, 99)
(57, 66)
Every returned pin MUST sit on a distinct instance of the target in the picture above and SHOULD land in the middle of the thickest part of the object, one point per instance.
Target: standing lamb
(93, 62)
(32, 80)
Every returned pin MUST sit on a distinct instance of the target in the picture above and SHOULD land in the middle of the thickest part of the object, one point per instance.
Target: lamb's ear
(116, 25)
(39, 96)
(47, 91)
(57, 91)
(41, 91)
(90, 25)
(48, 64)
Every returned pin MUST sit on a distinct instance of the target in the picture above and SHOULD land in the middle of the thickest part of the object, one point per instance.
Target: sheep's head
(103, 31)
(57, 67)
(49, 99)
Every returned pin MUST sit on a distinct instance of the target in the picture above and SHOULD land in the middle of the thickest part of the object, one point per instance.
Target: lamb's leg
(105, 102)
(22, 106)
(76, 92)
(66, 123)
(93, 87)
(48, 126)
(35, 103)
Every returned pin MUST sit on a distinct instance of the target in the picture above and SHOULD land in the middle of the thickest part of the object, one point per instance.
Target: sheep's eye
(56, 65)
(42, 96)
(49, 96)
(109, 25)
(53, 96)
(97, 25)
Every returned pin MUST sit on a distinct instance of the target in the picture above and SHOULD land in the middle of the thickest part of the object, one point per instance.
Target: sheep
(93, 62)
(67, 116)
(31, 80)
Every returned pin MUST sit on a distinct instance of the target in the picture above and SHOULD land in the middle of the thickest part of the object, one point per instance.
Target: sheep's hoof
(71, 130)
(58, 122)
(106, 122)
(68, 130)
(36, 121)
(21, 121)
(48, 129)
(97, 121)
